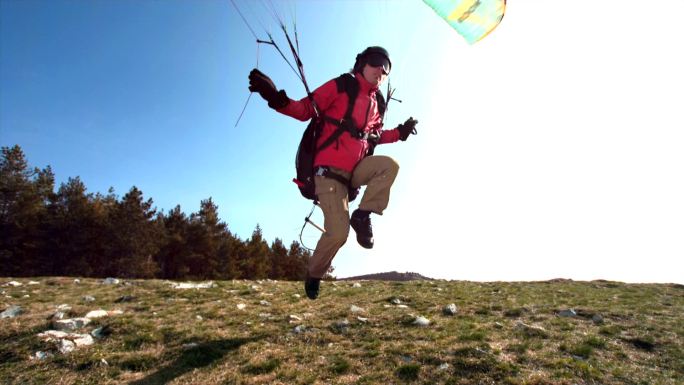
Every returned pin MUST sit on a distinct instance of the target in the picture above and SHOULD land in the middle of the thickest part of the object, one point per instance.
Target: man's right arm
(303, 109)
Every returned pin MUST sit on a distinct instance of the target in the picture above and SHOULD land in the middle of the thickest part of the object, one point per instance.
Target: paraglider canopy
(473, 19)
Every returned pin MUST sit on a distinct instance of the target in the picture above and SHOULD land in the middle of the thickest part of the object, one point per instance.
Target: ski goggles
(379, 60)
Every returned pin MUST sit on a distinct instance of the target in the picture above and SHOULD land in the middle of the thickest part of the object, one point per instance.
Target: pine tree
(74, 230)
(255, 262)
(136, 237)
(172, 256)
(228, 256)
(104, 210)
(298, 261)
(206, 233)
(24, 194)
(279, 260)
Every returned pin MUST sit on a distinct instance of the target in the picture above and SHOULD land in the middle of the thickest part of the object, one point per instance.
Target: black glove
(258, 82)
(407, 128)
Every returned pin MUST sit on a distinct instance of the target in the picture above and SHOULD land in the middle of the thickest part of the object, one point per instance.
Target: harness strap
(325, 171)
(342, 126)
(347, 83)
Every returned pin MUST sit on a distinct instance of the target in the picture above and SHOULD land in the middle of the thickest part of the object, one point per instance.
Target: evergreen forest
(67, 231)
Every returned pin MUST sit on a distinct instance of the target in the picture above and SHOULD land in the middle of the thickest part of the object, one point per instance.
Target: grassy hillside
(262, 332)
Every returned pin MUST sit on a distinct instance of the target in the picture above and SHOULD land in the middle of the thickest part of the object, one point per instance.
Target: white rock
(444, 366)
(450, 309)
(421, 321)
(40, 355)
(297, 296)
(110, 281)
(299, 329)
(103, 313)
(67, 342)
(192, 285)
(58, 315)
(57, 335)
(294, 318)
(362, 319)
(264, 303)
(88, 298)
(52, 335)
(531, 331)
(356, 309)
(33, 283)
(71, 323)
(77, 281)
(241, 306)
(66, 346)
(402, 306)
(569, 313)
(84, 340)
(13, 284)
(97, 314)
(356, 284)
(395, 301)
(11, 312)
(63, 307)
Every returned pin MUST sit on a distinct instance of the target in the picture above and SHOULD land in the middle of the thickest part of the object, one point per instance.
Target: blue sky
(550, 149)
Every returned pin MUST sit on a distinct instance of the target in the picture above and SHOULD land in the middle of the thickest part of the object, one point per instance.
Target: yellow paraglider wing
(473, 19)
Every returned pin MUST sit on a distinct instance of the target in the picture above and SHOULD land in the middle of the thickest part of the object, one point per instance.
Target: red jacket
(347, 151)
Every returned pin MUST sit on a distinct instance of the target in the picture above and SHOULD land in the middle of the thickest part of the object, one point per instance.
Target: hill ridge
(389, 276)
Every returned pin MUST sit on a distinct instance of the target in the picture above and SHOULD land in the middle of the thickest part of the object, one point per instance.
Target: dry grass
(503, 333)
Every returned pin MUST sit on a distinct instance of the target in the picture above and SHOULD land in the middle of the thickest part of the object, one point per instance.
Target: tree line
(72, 232)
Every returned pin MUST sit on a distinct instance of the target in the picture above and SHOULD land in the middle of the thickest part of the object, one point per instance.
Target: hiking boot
(361, 223)
(312, 286)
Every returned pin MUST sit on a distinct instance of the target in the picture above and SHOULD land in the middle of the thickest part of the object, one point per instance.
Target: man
(343, 153)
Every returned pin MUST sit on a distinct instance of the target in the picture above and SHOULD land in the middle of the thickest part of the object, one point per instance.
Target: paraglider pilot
(348, 157)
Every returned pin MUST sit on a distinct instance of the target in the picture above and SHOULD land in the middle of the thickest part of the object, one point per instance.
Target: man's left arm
(401, 132)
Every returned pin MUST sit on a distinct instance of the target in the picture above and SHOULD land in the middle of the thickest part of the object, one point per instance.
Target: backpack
(306, 152)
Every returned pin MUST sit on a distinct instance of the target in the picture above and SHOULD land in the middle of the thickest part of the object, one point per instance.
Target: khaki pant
(377, 173)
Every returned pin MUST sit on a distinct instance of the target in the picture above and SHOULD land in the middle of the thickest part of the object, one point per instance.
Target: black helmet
(375, 56)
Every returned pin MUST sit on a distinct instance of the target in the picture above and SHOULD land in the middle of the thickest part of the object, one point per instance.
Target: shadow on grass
(199, 356)
(14, 346)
